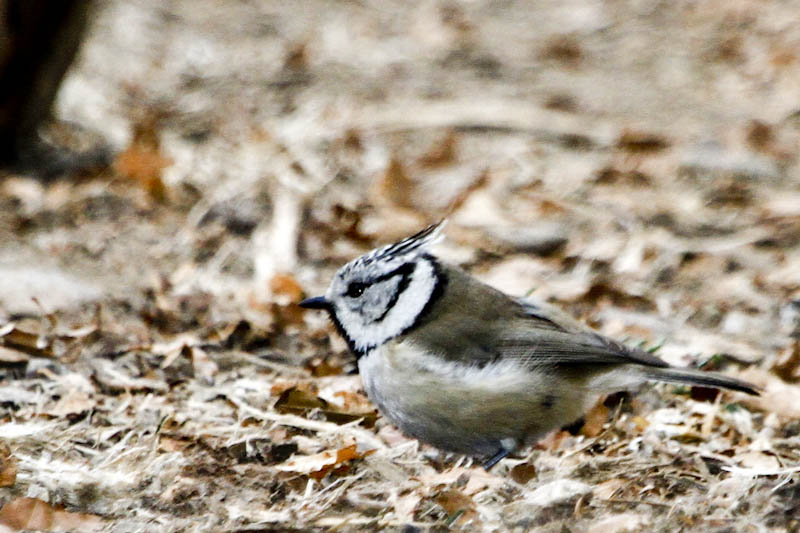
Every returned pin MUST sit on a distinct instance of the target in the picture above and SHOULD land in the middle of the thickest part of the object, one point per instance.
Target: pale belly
(470, 410)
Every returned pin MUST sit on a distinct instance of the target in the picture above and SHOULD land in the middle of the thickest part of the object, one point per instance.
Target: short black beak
(317, 302)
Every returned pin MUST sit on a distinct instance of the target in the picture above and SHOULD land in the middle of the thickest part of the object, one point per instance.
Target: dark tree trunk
(38, 41)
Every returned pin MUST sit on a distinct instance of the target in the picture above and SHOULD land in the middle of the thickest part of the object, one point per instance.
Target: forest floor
(634, 163)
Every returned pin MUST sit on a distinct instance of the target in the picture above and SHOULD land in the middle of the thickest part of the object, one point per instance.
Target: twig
(311, 425)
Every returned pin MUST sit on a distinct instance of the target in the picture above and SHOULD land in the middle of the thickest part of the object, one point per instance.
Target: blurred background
(176, 175)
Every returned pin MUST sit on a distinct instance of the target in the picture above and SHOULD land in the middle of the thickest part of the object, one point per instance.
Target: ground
(634, 163)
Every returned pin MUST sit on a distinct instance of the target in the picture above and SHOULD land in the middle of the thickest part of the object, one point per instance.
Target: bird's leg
(493, 460)
(506, 447)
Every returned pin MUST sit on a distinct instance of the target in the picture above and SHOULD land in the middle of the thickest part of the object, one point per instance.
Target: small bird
(460, 365)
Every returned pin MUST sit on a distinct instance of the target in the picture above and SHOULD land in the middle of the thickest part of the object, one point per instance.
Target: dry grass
(156, 373)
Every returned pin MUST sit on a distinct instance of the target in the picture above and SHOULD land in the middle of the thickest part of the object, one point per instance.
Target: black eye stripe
(406, 270)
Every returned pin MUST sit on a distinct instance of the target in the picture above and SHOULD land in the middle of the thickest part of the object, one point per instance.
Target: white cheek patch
(409, 304)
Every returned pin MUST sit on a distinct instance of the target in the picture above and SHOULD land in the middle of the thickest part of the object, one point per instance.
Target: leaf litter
(167, 380)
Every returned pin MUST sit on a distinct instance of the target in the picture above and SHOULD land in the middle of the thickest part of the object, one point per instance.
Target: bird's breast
(462, 407)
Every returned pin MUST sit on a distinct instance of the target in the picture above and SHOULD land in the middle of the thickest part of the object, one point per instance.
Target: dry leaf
(640, 423)
(296, 57)
(641, 142)
(320, 464)
(480, 479)
(286, 289)
(9, 355)
(30, 343)
(776, 396)
(553, 440)
(8, 466)
(788, 365)
(522, 473)
(405, 506)
(74, 402)
(594, 420)
(352, 140)
(758, 461)
(299, 400)
(168, 444)
(607, 489)
(142, 161)
(442, 154)
(472, 480)
(281, 386)
(457, 505)
(320, 367)
(395, 187)
(759, 135)
(353, 402)
(564, 49)
(31, 513)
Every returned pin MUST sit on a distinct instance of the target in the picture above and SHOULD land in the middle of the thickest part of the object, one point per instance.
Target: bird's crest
(412, 245)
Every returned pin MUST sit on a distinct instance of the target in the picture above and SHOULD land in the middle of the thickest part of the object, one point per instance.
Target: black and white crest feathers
(383, 293)
(413, 245)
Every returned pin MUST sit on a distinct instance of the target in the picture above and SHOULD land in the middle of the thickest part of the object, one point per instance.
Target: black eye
(355, 289)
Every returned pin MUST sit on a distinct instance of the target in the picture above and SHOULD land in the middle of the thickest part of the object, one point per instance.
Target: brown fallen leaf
(286, 292)
(169, 444)
(759, 135)
(8, 466)
(562, 48)
(319, 465)
(17, 344)
(459, 507)
(470, 480)
(299, 400)
(296, 57)
(395, 187)
(142, 162)
(281, 386)
(286, 289)
(553, 440)
(641, 142)
(522, 473)
(441, 154)
(594, 420)
(354, 402)
(24, 341)
(352, 140)
(32, 513)
(787, 367)
(320, 367)
(640, 423)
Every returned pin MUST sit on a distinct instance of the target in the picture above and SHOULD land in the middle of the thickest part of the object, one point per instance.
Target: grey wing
(546, 336)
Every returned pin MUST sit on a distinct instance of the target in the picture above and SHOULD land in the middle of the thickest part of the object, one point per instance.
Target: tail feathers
(697, 377)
